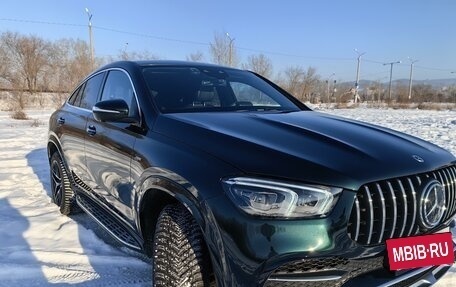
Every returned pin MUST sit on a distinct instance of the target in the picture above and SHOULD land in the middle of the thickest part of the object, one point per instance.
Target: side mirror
(110, 110)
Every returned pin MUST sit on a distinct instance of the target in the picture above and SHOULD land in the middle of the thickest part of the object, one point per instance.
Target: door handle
(91, 130)
(61, 121)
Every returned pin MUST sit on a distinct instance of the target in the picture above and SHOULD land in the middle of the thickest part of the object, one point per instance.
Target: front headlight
(280, 199)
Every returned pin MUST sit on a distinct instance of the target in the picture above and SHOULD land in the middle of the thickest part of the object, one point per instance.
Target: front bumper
(425, 276)
(250, 251)
(355, 273)
(368, 272)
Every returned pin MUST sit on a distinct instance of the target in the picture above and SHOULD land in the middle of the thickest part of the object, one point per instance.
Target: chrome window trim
(102, 87)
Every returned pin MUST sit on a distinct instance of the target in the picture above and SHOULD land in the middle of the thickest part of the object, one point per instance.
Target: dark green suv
(225, 179)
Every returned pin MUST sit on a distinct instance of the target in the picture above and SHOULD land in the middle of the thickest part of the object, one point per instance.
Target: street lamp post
(231, 49)
(357, 74)
(455, 93)
(391, 76)
(411, 75)
(327, 86)
(124, 54)
(89, 15)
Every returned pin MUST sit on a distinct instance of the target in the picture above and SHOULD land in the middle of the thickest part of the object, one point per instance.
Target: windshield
(188, 89)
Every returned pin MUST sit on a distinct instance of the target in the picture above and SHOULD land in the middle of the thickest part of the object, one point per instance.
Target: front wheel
(62, 194)
(179, 252)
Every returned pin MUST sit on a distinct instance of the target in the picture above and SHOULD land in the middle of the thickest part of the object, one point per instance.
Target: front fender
(157, 181)
(54, 145)
(160, 180)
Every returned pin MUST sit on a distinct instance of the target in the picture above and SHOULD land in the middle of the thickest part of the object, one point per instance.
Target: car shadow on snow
(107, 260)
(18, 262)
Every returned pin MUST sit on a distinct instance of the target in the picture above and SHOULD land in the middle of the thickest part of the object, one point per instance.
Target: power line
(434, 69)
(41, 22)
(207, 44)
(373, 61)
(375, 74)
(176, 40)
(294, 55)
(151, 36)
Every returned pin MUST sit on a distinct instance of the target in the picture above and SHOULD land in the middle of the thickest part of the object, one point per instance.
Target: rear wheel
(179, 252)
(62, 194)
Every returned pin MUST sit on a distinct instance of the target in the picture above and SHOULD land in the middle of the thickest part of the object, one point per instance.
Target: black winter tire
(179, 252)
(62, 194)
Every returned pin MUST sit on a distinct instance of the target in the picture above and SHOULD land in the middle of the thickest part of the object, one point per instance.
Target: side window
(75, 98)
(118, 86)
(91, 90)
(250, 96)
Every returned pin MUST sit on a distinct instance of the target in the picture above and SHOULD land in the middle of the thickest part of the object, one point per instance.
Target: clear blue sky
(319, 33)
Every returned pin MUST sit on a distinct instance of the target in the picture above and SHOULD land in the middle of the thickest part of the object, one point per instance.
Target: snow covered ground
(40, 247)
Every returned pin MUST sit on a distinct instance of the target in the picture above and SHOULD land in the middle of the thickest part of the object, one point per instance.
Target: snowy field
(40, 247)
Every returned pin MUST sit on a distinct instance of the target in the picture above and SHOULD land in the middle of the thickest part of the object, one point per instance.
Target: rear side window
(75, 98)
(90, 93)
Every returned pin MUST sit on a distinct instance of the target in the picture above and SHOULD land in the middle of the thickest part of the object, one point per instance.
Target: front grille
(346, 268)
(389, 208)
(310, 265)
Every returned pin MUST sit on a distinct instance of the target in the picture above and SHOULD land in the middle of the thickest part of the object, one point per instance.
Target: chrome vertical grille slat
(451, 191)
(447, 188)
(370, 220)
(394, 206)
(418, 179)
(383, 210)
(404, 205)
(414, 206)
(358, 217)
(452, 171)
(389, 208)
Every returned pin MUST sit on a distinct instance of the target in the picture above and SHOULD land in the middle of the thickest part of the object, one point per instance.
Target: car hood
(306, 146)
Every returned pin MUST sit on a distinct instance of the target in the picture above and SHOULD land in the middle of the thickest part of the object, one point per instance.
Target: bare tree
(401, 93)
(309, 84)
(303, 84)
(293, 79)
(135, 55)
(424, 93)
(259, 64)
(19, 99)
(5, 66)
(29, 56)
(70, 63)
(223, 51)
(195, 57)
(375, 91)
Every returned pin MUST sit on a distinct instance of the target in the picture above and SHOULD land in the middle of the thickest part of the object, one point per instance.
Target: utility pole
(411, 75)
(231, 49)
(357, 74)
(90, 38)
(327, 86)
(455, 93)
(391, 76)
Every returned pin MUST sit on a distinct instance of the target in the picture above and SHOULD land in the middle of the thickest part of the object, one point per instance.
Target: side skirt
(112, 225)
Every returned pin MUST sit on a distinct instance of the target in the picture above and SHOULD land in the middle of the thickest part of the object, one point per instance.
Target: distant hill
(435, 83)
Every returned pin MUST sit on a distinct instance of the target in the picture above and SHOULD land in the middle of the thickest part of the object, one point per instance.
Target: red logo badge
(420, 251)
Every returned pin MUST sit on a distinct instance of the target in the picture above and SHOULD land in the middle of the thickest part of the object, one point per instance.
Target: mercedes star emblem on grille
(431, 204)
